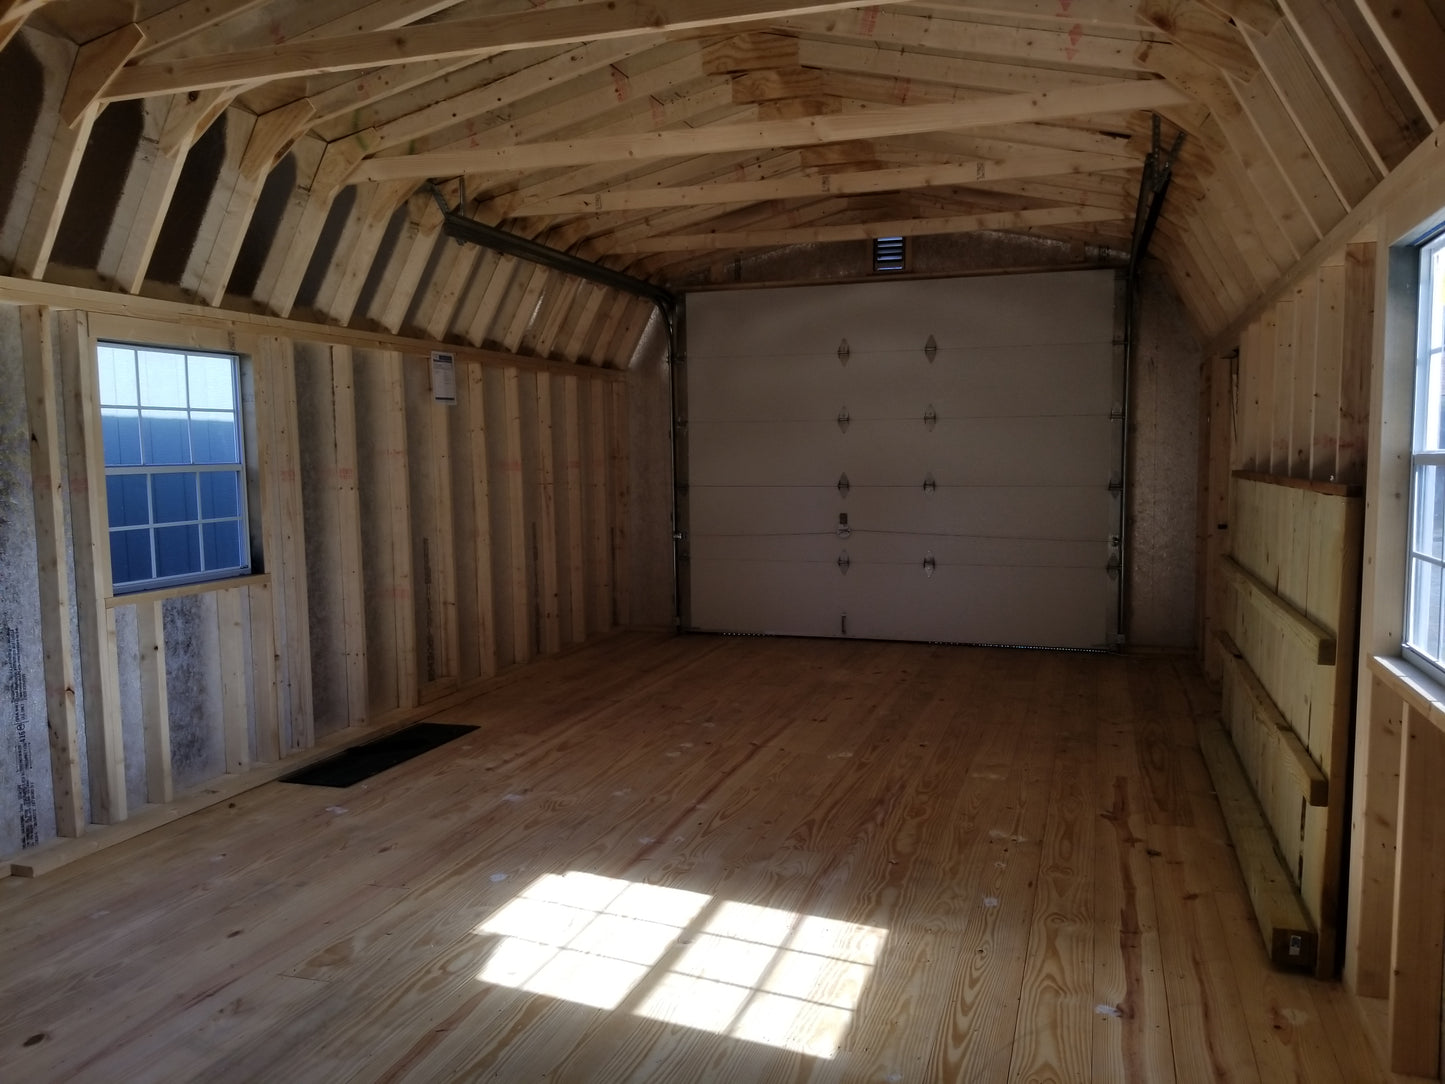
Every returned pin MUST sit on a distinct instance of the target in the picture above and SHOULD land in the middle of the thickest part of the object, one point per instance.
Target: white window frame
(151, 470)
(1423, 639)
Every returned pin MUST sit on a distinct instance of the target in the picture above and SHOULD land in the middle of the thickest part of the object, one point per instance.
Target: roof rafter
(429, 41)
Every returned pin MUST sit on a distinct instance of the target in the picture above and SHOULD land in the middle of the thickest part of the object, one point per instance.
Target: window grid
(174, 470)
(1424, 639)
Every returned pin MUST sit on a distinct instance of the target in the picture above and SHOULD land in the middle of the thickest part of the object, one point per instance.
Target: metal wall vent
(888, 254)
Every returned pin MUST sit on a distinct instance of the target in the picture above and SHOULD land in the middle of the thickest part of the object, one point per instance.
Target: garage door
(913, 460)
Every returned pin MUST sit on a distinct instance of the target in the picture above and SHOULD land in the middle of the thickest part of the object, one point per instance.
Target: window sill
(181, 590)
(1420, 691)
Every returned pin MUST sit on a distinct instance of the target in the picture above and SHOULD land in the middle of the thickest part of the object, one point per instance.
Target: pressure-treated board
(1287, 636)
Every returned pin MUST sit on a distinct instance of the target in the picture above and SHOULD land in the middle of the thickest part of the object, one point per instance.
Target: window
(888, 254)
(174, 474)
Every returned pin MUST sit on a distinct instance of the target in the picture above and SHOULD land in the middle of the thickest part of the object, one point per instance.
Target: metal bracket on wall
(843, 485)
(843, 529)
(929, 564)
(844, 420)
(844, 352)
(930, 418)
(929, 483)
(930, 349)
(843, 562)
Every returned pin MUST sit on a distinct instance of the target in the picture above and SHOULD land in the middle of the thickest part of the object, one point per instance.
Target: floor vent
(351, 766)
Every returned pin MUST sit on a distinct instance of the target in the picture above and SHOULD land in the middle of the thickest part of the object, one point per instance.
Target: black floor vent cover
(363, 761)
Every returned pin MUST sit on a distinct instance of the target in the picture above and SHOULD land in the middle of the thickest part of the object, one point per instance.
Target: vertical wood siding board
(519, 546)
(261, 622)
(576, 527)
(445, 419)
(547, 548)
(1306, 368)
(47, 476)
(105, 754)
(480, 496)
(397, 458)
(1325, 424)
(1359, 324)
(1284, 389)
(1376, 819)
(348, 506)
(273, 600)
(621, 503)
(231, 632)
(1264, 388)
(154, 701)
(601, 510)
(1419, 911)
(293, 540)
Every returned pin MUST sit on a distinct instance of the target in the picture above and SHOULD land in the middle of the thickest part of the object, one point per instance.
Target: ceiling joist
(1003, 109)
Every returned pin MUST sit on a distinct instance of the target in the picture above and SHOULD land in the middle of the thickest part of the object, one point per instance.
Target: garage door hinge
(844, 419)
(929, 564)
(844, 562)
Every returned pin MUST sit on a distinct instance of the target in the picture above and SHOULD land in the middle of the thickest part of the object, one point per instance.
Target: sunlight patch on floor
(756, 973)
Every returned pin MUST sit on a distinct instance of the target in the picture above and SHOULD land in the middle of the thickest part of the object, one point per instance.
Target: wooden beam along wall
(1286, 622)
(341, 526)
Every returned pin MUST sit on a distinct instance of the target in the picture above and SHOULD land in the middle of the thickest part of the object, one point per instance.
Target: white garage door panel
(734, 509)
(1065, 451)
(887, 316)
(760, 389)
(820, 547)
(1003, 512)
(767, 454)
(790, 599)
(1019, 521)
(1044, 608)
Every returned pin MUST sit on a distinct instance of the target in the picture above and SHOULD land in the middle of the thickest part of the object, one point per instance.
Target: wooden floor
(700, 859)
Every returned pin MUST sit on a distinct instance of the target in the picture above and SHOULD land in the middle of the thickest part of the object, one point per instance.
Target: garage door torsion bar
(460, 228)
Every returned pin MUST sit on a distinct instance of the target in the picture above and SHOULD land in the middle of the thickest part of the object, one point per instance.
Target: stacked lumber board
(1287, 645)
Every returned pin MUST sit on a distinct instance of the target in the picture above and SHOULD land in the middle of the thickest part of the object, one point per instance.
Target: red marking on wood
(287, 475)
(659, 117)
(620, 85)
(399, 593)
(1064, 6)
(511, 465)
(345, 474)
(901, 89)
(868, 20)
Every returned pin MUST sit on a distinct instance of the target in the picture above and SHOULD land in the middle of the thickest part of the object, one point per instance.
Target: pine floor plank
(775, 860)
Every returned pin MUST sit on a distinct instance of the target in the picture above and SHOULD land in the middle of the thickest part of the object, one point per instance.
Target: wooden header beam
(1124, 96)
(909, 227)
(827, 184)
